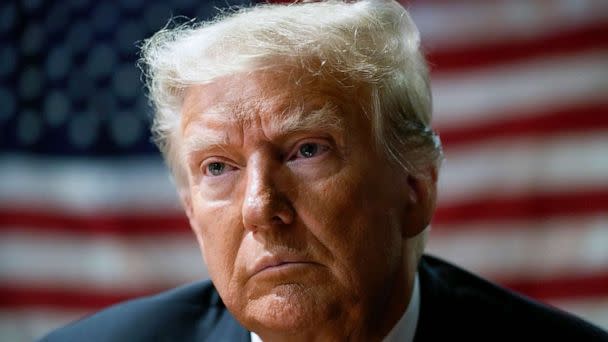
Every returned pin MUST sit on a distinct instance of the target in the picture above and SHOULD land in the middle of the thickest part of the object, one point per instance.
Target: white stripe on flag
(87, 186)
(532, 250)
(33, 324)
(591, 309)
(468, 98)
(524, 165)
(73, 261)
(464, 23)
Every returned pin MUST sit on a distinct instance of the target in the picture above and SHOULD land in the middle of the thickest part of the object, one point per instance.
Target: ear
(422, 197)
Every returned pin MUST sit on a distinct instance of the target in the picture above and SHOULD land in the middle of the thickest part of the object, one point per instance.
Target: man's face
(301, 221)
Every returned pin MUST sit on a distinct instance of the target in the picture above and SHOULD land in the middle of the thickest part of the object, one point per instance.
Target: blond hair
(373, 42)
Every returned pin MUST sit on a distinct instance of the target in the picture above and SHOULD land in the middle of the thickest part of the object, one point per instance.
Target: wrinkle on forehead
(289, 121)
(255, 90)
(281, 111)
(220, 112)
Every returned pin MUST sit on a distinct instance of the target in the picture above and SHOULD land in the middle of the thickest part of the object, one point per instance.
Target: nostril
(278, 220)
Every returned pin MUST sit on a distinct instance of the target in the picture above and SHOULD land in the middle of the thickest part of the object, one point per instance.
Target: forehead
(267, 97)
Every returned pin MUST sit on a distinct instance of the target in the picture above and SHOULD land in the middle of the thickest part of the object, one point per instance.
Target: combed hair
(373, 43)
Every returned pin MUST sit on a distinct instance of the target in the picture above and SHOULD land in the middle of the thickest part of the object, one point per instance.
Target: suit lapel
(434, 305)
(228, 329)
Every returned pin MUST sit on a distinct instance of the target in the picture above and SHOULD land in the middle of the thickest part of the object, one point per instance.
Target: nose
(264, 205)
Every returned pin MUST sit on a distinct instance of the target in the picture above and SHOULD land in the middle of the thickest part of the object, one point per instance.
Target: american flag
(89, 217)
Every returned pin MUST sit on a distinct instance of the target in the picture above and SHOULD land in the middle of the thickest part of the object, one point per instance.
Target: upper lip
(271, 260)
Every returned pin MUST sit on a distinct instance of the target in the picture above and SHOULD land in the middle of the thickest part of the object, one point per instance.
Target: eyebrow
(300, 120)
(290, 122)
(198, 140)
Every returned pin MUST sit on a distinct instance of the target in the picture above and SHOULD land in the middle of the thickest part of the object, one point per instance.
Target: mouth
(279, 265)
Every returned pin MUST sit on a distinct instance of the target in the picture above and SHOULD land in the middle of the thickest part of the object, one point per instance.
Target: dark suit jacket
(454, 305)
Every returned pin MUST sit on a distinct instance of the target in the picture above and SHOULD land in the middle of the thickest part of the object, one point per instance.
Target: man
(299, 139)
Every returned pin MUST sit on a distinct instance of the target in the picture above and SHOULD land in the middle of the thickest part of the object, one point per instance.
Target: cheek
(356, 223)
(219, 237)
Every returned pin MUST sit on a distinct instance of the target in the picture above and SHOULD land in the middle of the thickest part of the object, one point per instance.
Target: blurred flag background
(89, 217)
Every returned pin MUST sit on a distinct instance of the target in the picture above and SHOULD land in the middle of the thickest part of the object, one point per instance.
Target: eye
(215, 169)
(309, 150)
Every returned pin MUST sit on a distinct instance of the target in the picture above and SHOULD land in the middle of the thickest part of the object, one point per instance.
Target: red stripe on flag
(580, 39)
(580, 117)
(564, 287)
(525, 206)
(96, 224)
(84, 299)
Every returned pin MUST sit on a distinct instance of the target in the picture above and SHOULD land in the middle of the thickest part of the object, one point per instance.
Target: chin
(288, 308)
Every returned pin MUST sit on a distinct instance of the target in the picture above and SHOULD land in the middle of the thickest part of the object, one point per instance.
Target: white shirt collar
(405, 329)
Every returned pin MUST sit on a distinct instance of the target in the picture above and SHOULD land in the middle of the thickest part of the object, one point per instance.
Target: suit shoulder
(469, 301)
(165, 316)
